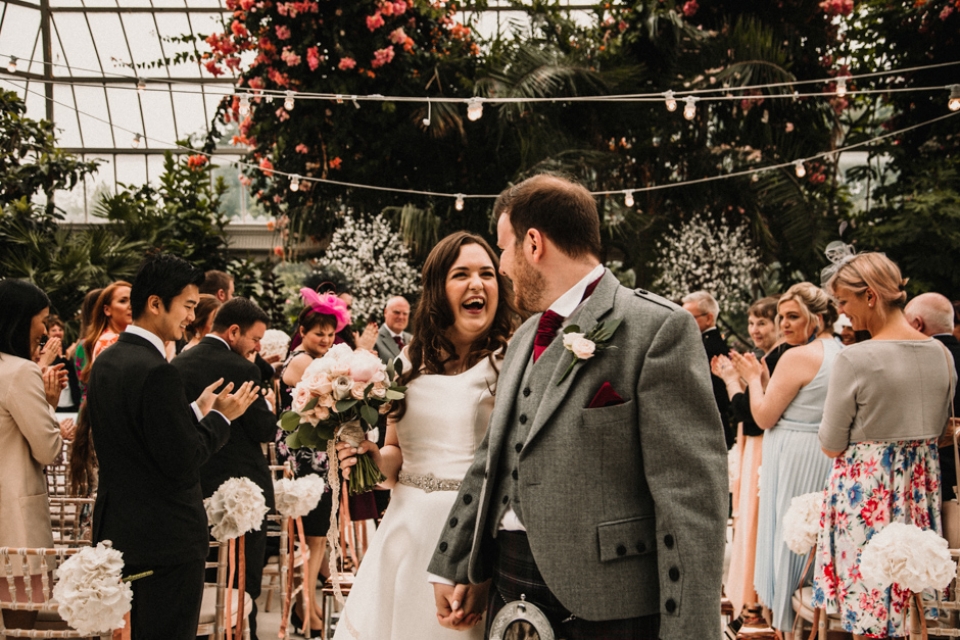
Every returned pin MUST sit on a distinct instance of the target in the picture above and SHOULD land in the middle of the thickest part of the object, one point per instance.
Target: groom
(601, 497)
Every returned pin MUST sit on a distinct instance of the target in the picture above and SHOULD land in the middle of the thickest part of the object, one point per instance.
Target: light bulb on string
(141, 85)
(628, 198)
(954, 102)
(288, 102)
(841, 86)
(135, 143)
(474, 109)
(670, 100)
(799, 168)
(339, 99)
(458, 205)
(426, 121)
(244, 108)
(12, 65)
(294, 182)
(690, 107)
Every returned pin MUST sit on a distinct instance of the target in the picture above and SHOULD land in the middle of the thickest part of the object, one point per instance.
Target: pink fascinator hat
(327, 304)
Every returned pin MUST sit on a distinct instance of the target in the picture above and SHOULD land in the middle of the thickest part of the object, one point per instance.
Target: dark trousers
(515, 573)
(166, 605)
(255, 553)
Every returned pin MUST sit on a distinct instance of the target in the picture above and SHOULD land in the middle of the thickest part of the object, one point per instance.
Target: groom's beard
(528, 287)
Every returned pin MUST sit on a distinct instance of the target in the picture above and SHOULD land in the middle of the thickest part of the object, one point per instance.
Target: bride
(450, 368)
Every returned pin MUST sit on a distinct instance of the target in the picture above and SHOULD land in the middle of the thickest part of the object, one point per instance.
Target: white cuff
(434, 578)
(196, 411)
(226, 419)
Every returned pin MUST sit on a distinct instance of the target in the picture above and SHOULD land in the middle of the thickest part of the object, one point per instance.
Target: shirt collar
(566, 304)
(149, 336)
(216, 337)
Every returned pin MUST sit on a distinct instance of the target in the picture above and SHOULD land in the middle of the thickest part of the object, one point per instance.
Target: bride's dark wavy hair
(430, 349)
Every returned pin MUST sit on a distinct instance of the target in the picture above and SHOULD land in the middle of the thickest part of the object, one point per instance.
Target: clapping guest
(70, 396)
(393, 335)
(762, 325)
(789, 409)
(29, 433)
(705, 310)
(888, 404)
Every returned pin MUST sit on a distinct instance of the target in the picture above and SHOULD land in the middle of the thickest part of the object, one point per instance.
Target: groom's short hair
(162, 275)
(563, 211)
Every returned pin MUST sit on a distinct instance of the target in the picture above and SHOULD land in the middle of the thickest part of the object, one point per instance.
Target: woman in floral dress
(887, 404)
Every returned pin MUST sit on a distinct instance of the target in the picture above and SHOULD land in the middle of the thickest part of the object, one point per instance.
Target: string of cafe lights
(296, 180)
(474, 104)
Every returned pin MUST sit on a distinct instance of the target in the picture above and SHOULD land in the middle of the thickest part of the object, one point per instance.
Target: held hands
(54, 380)
(348, 455)
(68, 428)
(460, 606)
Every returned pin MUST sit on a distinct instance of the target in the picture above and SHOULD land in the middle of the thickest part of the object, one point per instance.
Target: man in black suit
(705, 310)
(225, 353)
(150, 444)
(932, 314)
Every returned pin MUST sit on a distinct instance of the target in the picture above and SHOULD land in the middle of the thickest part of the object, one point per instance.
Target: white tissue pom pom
(90, 593)
(237, 507)
(802, 522)
(274, 343)
(913, 558)
(297, 498)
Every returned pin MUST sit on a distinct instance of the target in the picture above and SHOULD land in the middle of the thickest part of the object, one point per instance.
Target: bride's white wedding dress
(445, 421)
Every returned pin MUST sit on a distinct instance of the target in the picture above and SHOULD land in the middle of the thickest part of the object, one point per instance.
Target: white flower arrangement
(801, 524)
(375, 259)
(274, 343)
(90, 592)
(237, 507)
(913, 558)
(297, 498)
(703, 255)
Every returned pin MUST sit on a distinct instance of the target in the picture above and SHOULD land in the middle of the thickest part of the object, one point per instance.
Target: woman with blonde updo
(789, 408)
(888, 403)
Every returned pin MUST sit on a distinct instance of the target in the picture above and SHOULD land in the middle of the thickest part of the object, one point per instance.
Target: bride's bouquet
(340, 397)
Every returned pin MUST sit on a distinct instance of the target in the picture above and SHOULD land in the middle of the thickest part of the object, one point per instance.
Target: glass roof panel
(142, 34)
(175, 24)
(126, 115)
(189, 111)
(65, 116)
(131, 170)
(19, 35)
(97, 134)
(111, 43)
(73, 48)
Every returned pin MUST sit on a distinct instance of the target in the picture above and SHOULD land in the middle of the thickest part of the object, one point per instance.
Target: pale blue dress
(793, 465)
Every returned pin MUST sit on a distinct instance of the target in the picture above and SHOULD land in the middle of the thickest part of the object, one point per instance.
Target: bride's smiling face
(472, 291)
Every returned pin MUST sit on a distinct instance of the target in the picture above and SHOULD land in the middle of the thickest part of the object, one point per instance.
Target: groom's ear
(533, 245)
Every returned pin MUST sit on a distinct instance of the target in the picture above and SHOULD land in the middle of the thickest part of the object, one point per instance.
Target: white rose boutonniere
(584, 346)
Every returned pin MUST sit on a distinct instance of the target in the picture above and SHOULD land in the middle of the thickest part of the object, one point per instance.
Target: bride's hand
(347, 455)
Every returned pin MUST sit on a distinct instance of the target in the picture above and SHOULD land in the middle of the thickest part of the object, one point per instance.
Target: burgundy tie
(551, 321)
(399, 341)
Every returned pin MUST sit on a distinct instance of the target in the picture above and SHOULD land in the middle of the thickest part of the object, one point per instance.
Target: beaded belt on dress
(428, 483)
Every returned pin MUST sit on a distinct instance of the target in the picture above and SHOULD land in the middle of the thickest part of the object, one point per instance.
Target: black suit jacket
(242, 455)
(948, 471)
(150, 447)
(715, 345)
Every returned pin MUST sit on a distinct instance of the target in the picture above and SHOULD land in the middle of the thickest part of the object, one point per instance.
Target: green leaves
(369, 415)
(289, 422)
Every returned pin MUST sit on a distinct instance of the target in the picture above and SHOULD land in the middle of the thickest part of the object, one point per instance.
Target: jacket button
(621, 550)
(515, 474)
(674, 574)
(670, 605)
(467, 499)
(506, 499)
(453, 522)
(443, 547)
(519, 447)
(641, 547)
(526, 392)
(523, 418)
(668, 541)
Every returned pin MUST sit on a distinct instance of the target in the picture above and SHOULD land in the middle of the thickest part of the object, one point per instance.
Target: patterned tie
(551, 321)
(399, 341)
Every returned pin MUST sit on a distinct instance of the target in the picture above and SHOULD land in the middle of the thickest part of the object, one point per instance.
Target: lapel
(511, 377)
(137, 341)
(387, 339)
(556, 358)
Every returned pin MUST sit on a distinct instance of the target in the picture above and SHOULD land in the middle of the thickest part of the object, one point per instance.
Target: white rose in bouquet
(342, 386)
(236, 507)
(90, 592)
(297, 498)
(914, 558)
(274, 343)
(801, 524)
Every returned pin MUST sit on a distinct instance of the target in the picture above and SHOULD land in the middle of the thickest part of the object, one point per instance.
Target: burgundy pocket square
(606, 397)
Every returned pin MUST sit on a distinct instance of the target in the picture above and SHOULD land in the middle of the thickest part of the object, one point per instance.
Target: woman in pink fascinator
(323, 315)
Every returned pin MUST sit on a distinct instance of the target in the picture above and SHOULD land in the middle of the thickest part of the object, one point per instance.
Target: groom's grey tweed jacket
(625, 506)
